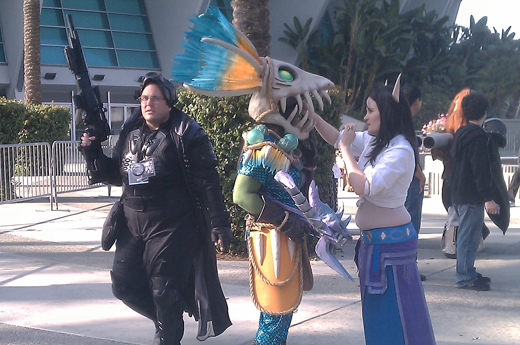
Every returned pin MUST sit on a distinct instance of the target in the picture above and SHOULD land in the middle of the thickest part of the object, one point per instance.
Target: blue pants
(471, 217)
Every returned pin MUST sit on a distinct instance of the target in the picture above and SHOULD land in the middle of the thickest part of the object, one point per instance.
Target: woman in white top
(394, 307)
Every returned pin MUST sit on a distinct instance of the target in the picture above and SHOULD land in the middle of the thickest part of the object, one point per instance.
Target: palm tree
(252, 18)
(31, 43)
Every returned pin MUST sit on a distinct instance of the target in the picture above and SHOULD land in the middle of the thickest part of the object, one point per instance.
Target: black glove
(92, 153)
(223, 234)
(309, 149)
(292, 225)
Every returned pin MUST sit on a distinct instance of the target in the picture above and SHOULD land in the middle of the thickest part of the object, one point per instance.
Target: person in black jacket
(471, 189)
(174, 211)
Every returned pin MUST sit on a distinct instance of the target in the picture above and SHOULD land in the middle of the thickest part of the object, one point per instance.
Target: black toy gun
(87, 98)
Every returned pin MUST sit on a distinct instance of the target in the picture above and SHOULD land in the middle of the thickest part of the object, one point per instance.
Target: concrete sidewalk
(55, 286)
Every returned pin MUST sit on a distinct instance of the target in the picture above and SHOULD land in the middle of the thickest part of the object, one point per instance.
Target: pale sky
(501, 14)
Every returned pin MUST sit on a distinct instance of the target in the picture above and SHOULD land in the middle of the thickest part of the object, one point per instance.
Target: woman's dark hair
(396, 119)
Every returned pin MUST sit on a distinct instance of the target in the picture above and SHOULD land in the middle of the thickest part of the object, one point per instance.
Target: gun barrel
(88, 97)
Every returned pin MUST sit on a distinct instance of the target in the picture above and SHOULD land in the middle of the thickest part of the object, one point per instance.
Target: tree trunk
(252, 18)
(31, 43)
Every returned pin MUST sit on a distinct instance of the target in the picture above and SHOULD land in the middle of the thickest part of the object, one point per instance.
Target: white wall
(11, 17)
(169, 20)
(283, 11)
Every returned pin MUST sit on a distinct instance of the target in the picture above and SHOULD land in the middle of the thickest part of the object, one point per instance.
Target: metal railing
(512, 142)
(25, 171)
(29, 171)
(434, 181)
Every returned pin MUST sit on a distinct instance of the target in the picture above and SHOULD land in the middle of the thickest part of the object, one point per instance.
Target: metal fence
(434, 180)
(25, 171)
(29, 171)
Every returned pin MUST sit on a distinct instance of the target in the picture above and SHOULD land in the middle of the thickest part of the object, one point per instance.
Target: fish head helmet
(283, 84)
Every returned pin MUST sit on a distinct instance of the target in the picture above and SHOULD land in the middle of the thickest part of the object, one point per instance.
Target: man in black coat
(174, 210)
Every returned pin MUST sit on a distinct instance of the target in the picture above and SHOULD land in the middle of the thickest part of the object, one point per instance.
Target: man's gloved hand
(90, 148)
(221, 236)
(289, 223)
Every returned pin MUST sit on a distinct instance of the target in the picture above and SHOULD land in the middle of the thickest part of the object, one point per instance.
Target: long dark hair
(396, 118)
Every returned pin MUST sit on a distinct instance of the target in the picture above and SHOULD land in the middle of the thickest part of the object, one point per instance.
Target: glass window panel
(137, 59)
(52, 55)
(51, 3)
(51, 17)
(90, 20)
(129, 23)
(224, 6)
(100, 57)
(90, 5)
(53, 36)
(116, 119)
(133, 41)
(95, 38)
(2, 54)
(122, 25)
(126, 6)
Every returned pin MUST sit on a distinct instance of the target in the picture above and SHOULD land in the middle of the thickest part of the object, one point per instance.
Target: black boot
(169, 324)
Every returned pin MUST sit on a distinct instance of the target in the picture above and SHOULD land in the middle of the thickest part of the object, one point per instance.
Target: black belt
(130, 191)
(140, 203)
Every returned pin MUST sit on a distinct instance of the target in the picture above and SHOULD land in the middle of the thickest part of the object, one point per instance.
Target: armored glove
(223, 234)
(292, 225)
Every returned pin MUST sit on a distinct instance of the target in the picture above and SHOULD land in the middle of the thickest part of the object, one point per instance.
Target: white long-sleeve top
(390, 174)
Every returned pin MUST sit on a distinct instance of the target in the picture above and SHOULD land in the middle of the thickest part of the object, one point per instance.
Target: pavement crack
(325, 313)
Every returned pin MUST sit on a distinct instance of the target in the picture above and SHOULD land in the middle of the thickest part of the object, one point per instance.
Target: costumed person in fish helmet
(173, 211)
(225, 63)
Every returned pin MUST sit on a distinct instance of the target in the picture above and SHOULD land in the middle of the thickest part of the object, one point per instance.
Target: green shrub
(45, 123)
(324, 178)
(23, 123)
(26, 123)
(12, 114)
(225, 119)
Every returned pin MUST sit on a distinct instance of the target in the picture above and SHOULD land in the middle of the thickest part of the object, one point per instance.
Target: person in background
(471, 190)
(393, 304)
(415, 194)
(512, 190)
(174, 211)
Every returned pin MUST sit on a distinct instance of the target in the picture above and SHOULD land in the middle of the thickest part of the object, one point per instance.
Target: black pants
(153, 266)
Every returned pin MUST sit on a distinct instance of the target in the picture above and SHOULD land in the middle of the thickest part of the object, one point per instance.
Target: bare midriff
(370, 216)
